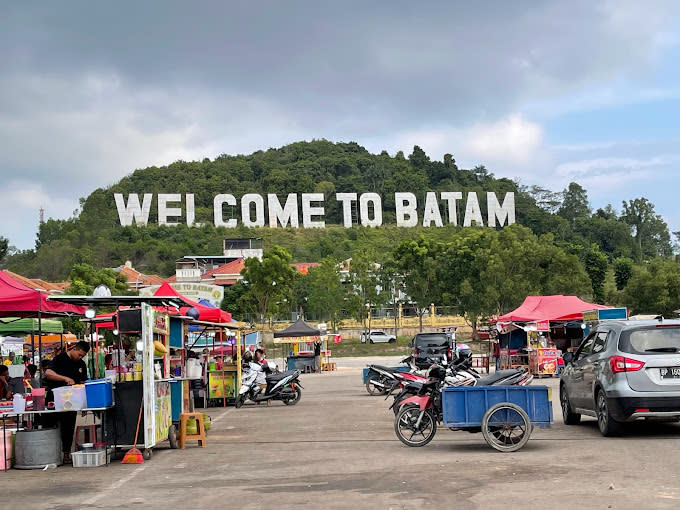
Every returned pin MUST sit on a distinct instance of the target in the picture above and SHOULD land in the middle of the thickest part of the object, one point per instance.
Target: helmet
(464, 351)
(247, 356)
(436, 372)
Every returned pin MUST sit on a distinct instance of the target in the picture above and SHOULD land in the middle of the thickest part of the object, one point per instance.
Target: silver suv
(623, 371)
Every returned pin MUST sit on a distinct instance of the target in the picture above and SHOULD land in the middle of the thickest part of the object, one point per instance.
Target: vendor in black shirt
(66, 369)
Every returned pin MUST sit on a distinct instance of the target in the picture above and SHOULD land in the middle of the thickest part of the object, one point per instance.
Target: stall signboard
(543, 326)
(163, 411)
(161, 324)
(297, 340)
(148, 382)
(221, 384)
(544, 361)
(604, 314)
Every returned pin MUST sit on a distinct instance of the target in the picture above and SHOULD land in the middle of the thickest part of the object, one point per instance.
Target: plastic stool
(89, 435)
(200, 429)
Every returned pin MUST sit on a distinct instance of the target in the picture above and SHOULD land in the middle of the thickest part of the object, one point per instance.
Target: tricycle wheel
(506, 427)
(409, 431)
(375, 389)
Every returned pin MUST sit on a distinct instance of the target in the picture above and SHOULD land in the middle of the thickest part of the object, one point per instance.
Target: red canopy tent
(205, 313)
(18, 300)
(549, 308)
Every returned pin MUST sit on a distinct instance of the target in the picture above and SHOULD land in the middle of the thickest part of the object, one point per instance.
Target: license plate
(670, 373)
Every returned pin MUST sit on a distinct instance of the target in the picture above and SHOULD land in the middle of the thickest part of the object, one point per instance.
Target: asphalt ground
(337, 449)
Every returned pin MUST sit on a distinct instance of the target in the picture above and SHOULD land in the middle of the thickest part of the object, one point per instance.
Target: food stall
(221, 347)
(301, 337)
(535, 334)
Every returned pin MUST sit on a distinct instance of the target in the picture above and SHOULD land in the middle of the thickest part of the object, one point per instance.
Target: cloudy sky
(545, 92)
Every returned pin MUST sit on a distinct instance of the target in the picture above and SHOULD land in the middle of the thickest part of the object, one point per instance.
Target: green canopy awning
(14, 326)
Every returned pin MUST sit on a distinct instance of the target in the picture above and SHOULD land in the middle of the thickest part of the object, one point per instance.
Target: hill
(97, 237)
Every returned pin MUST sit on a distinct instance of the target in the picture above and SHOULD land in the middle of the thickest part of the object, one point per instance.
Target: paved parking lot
(337, 449)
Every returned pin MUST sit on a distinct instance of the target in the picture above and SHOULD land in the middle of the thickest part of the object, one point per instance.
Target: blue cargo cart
(506, 415)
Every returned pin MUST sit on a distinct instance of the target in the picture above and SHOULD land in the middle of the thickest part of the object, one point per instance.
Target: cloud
(513, 139)
(91, 91)
(584, 168)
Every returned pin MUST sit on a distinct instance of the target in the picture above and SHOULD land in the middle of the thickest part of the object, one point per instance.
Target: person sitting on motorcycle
(261, 376)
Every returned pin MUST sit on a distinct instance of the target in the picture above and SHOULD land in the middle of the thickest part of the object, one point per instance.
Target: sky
(545, 92)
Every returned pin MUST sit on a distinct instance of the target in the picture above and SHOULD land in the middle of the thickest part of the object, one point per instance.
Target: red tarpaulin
(549, 308)
(18, 300)
(205, 313)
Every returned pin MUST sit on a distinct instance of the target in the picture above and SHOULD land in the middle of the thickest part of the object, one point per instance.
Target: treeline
(477, 272)
(628, 242)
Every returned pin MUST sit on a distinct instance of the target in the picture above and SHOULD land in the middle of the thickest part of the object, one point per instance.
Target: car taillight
(415, 352)
(449, 353)
(621, 364)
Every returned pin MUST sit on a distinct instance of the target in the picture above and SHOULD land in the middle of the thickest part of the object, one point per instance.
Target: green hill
(96, 236)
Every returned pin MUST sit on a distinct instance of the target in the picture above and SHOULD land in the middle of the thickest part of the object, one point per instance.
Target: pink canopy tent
(205, 313)
(549, 308)
(18, 300)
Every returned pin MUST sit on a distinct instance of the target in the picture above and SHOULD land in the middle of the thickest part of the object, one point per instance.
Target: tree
(654, 288)
(4, 246)
(575, 203)
(325, 292)
(84, 278)
(595, 263)
(365, 290)
(268, 282)
(623, 271)
(416, 262)
(648, 228)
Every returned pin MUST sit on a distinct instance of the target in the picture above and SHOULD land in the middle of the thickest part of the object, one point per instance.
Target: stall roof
(299, 329)
(14, 325)
(121, 300)
(16, 299)
(549, 308)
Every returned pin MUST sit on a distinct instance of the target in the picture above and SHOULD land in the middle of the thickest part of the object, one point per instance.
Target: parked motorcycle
(460, 375)
(283, 386)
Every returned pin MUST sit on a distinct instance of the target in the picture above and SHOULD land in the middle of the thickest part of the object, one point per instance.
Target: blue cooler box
(99, 393)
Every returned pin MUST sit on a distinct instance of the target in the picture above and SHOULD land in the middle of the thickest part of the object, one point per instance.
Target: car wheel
(569, 417)
(371, 340)
(608, 426)
(391, 340)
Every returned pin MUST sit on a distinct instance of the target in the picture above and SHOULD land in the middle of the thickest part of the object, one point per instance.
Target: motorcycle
(384, 378)
(283, 386)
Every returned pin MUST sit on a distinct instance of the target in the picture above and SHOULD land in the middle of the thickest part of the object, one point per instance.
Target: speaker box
(130, 321)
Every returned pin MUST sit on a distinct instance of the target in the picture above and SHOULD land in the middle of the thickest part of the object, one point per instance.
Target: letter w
(133, 211)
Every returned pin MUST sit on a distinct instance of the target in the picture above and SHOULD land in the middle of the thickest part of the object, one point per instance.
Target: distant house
(137, 280)
(38, 284)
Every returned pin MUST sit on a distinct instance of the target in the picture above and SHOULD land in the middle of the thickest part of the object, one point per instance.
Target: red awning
(205, 313)
(18, 300)
(549, 308)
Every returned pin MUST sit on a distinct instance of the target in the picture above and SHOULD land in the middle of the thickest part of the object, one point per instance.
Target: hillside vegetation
(610, 246)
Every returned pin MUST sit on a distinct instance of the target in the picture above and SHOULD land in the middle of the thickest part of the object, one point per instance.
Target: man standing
(66, 369)
(317, 356)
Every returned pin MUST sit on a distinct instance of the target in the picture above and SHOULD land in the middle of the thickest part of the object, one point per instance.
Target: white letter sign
(406, 204)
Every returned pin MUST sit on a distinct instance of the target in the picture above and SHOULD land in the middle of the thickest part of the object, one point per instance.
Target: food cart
(301, 336)
(148, 322)
(222, 362)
